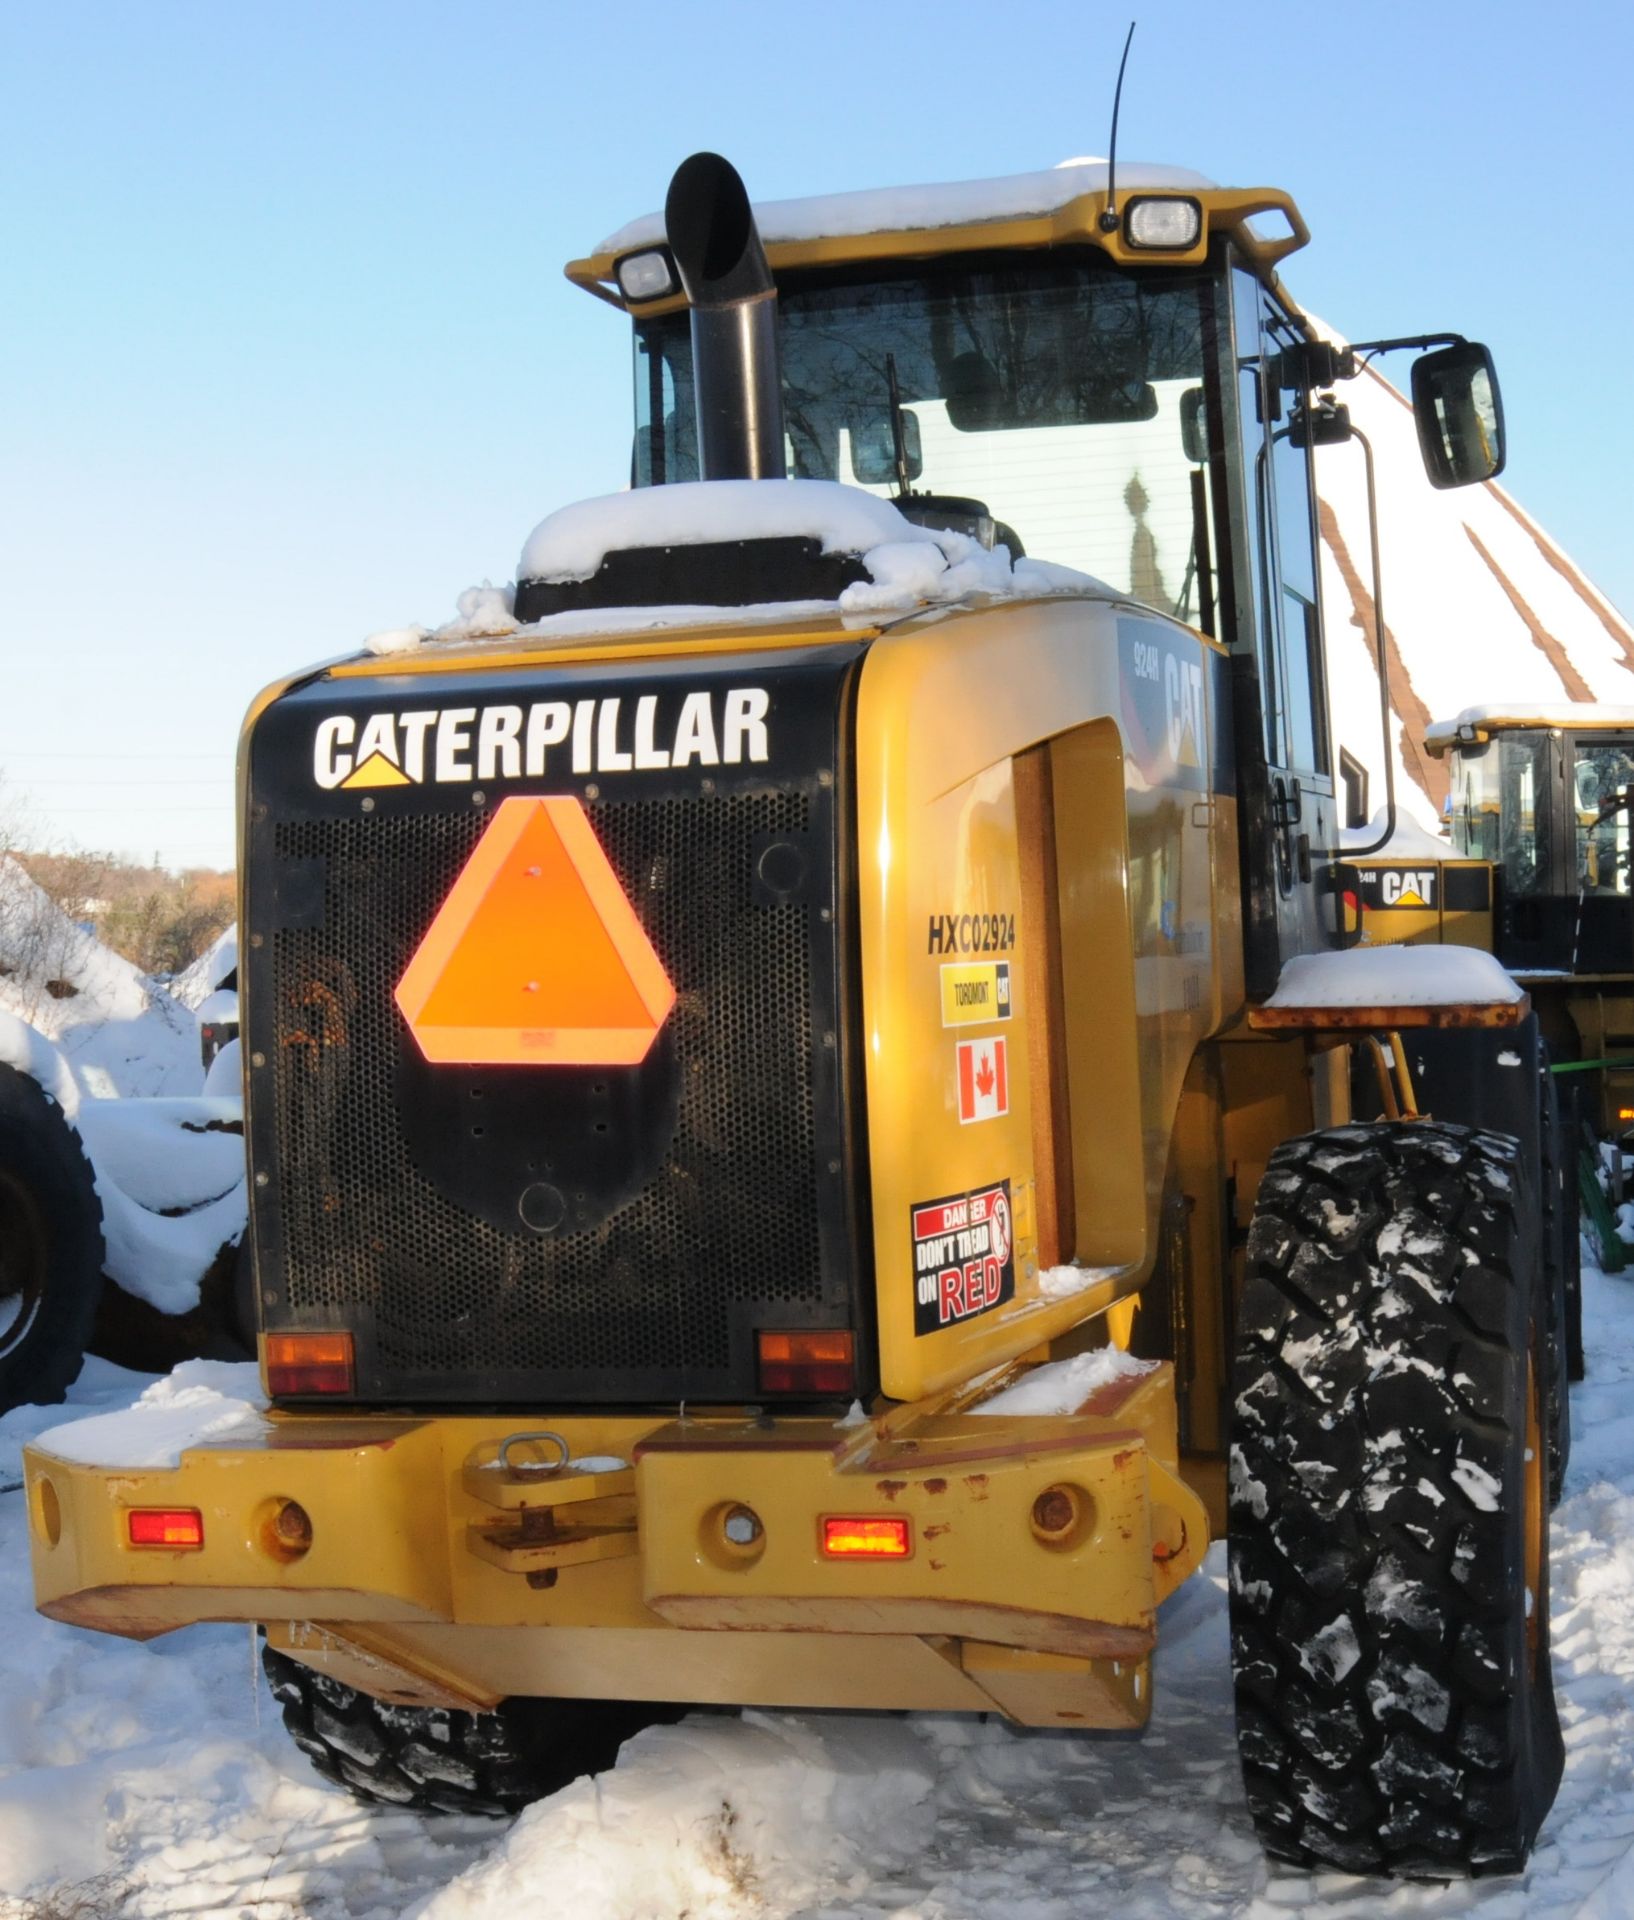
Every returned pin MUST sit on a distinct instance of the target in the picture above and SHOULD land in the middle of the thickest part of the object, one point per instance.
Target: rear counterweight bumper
(448, 1561)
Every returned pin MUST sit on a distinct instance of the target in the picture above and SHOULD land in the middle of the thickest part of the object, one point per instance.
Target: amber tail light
(822, 1361)
(299, 1363)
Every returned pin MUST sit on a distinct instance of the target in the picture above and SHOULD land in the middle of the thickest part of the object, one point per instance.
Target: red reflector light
(821, 1361)
(867, 1539)
(309, 1363)
(166, 1527)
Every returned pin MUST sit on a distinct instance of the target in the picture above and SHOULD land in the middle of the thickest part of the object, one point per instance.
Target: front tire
(437, 1760)
(1389, 1513)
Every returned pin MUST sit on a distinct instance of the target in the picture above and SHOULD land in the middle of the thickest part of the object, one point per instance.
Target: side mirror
(1459, 413)
(873, 449)
(1194, 426)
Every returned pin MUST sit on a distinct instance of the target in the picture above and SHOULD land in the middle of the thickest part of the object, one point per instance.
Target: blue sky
(289, 358)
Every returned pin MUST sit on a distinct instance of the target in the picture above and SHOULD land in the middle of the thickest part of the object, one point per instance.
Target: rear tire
(437, 1760)
(1389, 1515)
(50, 1245)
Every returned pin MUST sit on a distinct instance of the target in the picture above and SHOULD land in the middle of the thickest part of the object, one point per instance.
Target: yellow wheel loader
(797, 1091)
(1537, 871)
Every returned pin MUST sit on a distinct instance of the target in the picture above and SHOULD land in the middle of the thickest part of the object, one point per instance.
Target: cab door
(1290, 822)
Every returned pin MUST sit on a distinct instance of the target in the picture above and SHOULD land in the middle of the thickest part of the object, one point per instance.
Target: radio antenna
(1109, 213)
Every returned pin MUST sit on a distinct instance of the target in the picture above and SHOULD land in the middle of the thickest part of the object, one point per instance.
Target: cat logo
(1406, 888)
(606, 734)
(377, 771)
(1183, 688)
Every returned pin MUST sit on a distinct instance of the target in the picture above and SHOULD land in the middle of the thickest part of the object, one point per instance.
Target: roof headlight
(645, 276)
(1171, 224)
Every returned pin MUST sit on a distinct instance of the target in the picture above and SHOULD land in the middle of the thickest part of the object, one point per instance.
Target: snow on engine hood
(572, 542)
(910, 567)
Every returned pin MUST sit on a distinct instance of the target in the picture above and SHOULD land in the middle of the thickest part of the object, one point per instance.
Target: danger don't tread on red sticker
(963, 1257)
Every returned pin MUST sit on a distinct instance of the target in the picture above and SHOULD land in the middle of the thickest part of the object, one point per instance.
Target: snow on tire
(439, 1760)
(1388, 1553)
(50, 1245)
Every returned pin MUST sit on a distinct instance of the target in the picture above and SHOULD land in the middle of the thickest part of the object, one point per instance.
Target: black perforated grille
(658, 1298)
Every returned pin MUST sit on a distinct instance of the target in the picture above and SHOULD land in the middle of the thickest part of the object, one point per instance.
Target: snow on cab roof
(951, 203)
(1474, 723)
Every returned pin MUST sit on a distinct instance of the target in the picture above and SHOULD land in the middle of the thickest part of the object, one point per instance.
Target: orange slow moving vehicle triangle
(536, 957)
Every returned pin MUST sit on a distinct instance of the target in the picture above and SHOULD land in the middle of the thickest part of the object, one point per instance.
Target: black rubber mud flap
(1388, 1505)
(438, 1760)
(1571, 1131)
(1561, 1276)
(50, 1245)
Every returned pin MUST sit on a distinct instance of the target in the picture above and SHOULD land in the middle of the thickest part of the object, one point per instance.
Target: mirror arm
(1361, 853)
(1419, 342)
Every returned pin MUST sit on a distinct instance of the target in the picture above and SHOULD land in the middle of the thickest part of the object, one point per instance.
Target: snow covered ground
(157, 1780)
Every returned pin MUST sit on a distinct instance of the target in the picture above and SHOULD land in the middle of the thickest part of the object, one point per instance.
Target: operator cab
(1041, 394)
(1104, 375)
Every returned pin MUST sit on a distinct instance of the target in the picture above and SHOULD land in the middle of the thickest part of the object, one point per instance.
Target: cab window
(1602, 775)
(1281, 529)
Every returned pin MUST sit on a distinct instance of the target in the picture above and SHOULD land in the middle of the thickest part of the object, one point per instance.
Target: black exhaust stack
(717, 250)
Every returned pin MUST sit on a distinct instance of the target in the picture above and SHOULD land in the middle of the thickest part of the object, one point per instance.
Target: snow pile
(1062, 1386)
(31, 1053)
(222, 1005)
(395, 640)
(1394, 977)
(202, 1401)
(1063, 1282)
(114, 1053)
(196, 983)
(911, 568)
(483, 613)
(169, 1173)
(572, 543)
(171, 1178)
(750, 1816)
(101, 1388)
(120, 1033)
(225, 1078)
(907, 577)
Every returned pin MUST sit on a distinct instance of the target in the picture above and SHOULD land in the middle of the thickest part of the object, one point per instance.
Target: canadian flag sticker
(984, 1079)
